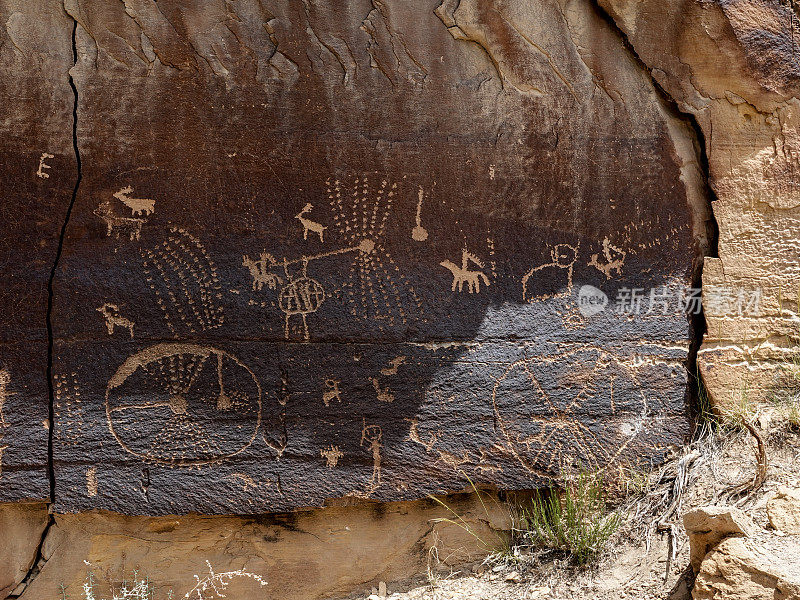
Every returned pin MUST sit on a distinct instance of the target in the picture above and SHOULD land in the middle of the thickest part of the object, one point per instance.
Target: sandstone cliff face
(314, 251)
(734, 66)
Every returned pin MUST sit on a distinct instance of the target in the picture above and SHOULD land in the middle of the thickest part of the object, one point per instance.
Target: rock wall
(373, 251)
(260, 255)
(733, 65)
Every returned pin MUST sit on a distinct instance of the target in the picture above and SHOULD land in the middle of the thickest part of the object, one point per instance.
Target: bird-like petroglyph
(183, 405)
(563, 258)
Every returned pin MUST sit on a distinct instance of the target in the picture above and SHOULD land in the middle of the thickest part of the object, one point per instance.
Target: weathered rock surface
(744, 569)
(783, 510)
(733, 65)
(709, 525)
(328, 251)
(304, 555)
(37, 175)
(22, 526)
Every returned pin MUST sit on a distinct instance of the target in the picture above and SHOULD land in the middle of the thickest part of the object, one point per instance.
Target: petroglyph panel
(356, 270)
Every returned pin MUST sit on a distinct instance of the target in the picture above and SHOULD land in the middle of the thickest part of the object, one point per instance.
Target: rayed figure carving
(183, 405)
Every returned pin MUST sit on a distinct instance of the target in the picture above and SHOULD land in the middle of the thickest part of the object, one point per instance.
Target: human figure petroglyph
(130, 226)
(1, 458)
(259, 270)
(299, 295)
(331, 392)
(40, 172)
(308, 224)
(113, 319)
(563, 258)
(462, 274)
(137, 205)
(331, 454)
(371, 435)
(614, 259)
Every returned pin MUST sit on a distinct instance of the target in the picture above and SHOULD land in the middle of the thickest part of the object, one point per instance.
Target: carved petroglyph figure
(614, 259)
(40, 172)
(300, 295)
(308, 224)
(563, 258)
(462, 274)
(113, 319)
(331, 454)
(371, 436)
(375, 290)
(259, 271)
(383, 394)
(394, 365)
(1, 458)
(540, 406)
(183, 405)
(91, 481)
(185, 283)
(331, 392)
(137, 205)
(5, 381)
(419, 233)
(68, 408)
(130, 226)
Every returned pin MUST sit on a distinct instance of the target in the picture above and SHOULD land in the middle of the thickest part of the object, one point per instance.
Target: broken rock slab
(709, 525)
(783, 510)
(748, 569)
(21, 528)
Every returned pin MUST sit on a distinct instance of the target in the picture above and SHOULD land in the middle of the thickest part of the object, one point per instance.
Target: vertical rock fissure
(697, 322)
(39, 559)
